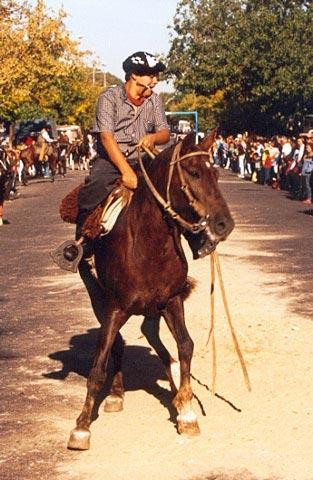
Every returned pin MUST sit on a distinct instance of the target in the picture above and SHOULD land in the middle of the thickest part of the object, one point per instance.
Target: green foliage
(43, 71)
(258, 53)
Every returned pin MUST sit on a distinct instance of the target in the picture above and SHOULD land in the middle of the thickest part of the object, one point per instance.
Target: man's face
(146, 83)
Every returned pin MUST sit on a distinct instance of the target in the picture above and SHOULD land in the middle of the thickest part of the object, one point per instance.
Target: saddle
(102, 219)
(98, 223)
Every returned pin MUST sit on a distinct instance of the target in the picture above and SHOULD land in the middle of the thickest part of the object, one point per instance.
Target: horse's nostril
(223, 226)
(220, 228)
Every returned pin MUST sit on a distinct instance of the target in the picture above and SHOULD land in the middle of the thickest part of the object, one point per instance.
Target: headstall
(166, 204)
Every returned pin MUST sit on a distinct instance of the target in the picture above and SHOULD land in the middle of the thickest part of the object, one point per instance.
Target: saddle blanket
(103, 218)
(110, 214)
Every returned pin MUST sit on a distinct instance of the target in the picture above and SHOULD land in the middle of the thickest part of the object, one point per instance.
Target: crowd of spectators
(280, 162)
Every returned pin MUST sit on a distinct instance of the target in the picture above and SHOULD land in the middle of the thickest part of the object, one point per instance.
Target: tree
(258, 53)
(43, 71)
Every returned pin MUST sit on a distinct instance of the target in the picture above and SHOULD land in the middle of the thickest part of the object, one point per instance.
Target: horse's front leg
(114, 401)
(80, 436)
(175, 319)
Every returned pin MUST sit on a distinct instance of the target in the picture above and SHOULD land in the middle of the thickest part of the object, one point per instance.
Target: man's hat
(143, 63)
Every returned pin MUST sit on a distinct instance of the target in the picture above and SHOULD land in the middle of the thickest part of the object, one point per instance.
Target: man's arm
(129, 177)
(157, 138)
(162, 132)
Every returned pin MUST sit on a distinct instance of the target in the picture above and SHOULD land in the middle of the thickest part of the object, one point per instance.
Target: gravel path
(48, 335)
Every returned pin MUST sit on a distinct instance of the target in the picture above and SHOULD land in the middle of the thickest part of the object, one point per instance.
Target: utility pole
(93, 73)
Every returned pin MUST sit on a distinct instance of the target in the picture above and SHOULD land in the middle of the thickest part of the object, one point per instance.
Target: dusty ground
(265, 434)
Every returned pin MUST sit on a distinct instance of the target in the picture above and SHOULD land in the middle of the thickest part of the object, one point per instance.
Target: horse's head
(194, 192)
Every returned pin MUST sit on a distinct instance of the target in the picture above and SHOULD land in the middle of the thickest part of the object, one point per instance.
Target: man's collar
(125, 97)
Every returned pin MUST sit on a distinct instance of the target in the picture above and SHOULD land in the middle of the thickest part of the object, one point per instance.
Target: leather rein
(166, 204)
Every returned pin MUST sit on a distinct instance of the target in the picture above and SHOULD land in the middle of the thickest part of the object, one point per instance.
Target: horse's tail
(189, 286)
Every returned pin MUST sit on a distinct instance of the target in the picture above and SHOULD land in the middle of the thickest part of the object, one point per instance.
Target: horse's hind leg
(114, 401)
(115, 318)
(151, 330)
(174, 317)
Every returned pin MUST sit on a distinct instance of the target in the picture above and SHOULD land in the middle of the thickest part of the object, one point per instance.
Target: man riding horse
(126, 116)
(140, 267)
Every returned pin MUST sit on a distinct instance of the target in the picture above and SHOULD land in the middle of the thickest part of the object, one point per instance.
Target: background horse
(80, 154)
(30, 157)
(142, 270)
(5, 181)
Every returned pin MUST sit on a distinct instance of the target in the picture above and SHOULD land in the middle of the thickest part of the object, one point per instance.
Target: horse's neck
(145, 216)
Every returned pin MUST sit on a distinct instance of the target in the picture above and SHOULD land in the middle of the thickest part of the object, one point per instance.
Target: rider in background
(43, 140)
(64, 144)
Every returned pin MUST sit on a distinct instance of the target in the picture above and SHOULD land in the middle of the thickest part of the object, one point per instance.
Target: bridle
(166, 204)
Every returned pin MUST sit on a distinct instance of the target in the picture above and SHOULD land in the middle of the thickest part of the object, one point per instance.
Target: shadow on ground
(141, 369)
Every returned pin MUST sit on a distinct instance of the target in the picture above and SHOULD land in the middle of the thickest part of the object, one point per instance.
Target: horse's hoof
(79, 439)
(113, 403)
(190, 429)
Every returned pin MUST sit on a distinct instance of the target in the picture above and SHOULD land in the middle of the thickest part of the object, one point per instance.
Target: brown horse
(142, 270)
(80, 153)
(30, 157)
(5, 173)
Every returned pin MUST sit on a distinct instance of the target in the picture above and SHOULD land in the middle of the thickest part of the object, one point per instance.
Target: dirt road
(48, 337)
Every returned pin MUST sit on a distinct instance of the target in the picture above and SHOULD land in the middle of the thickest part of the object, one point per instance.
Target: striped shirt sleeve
(105, 114)
(160, 117)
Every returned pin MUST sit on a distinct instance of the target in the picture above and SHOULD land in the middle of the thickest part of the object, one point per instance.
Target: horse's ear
(207, 142)
(188, 142)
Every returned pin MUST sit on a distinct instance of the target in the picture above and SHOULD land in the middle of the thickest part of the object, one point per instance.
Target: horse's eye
(193, 173)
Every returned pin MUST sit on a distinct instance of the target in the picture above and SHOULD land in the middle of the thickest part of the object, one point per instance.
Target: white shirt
(286, 150)
(45, 136)
(300, 152)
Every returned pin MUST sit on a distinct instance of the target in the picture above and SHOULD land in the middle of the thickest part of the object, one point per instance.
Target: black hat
(143, 63)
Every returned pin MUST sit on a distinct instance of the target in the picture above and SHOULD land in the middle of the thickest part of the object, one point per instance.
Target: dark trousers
(98, 184)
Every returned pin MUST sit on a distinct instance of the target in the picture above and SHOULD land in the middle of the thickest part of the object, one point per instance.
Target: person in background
(267, 163)
(306, 174)
(64, 143)
(43, 140)
(241, 148)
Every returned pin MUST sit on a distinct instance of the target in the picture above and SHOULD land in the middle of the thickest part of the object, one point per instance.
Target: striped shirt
(116, 114)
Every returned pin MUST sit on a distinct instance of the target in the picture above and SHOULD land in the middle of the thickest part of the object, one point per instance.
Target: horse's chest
(150, 288)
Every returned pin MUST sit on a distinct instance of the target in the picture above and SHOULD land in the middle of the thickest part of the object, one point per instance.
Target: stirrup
(68, 255)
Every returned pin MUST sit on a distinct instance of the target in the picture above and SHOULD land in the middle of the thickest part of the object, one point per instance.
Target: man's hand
(148, 141)
(129, 179)
(152, 139)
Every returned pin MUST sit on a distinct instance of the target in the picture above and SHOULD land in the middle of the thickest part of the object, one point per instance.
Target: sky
(114, 29)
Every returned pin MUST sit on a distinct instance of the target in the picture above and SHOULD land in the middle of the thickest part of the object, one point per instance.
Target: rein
(195, 228)
(215, 264)
(166, 204)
